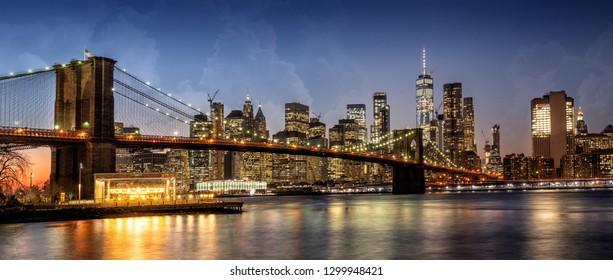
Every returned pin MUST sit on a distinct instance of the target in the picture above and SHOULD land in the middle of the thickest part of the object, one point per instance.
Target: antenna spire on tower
(423, 60)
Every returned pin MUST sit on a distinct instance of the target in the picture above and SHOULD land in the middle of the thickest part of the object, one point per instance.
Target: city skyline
(327, 54)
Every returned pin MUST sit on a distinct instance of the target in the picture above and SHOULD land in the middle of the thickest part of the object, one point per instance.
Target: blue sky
(330, 53)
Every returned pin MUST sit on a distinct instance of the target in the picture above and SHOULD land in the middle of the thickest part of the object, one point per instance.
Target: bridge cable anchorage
(161, 103)
(157, 90)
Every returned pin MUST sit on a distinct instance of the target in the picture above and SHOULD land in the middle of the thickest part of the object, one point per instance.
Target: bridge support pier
(84, 102)
(408, 179)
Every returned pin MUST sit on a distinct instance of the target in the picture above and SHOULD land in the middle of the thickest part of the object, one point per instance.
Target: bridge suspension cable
(148, 108)
(158, 90)
(28, 100)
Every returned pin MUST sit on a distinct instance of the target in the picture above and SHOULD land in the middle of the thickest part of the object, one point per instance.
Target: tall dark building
(468, 124)
(495, 160)
(553, 126)
(217, 157)
(259, 125)
(453, 131)
(424, 95)
(381, 116)
(248, 126)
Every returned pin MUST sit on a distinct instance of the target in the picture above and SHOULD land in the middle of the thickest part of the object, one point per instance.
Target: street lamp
(80, 169)
(31, 177)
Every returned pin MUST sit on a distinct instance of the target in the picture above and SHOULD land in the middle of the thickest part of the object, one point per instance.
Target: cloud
(130, 47)
(534, 71)
(596, 90)
(540, 68)
(245, 58)
(40, 43)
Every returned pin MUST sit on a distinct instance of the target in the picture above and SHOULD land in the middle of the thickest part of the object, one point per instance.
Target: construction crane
(437, 109)
(210, 99)
(487, 140)
(317, 116)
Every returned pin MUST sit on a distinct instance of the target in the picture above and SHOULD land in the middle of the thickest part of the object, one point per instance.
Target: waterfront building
(232, 187)
(317, 167)
(199, 160)
(257, 166)
(519, 167)
(134, 186)
(289, 168)
(578, 165)
(233, 130)
(358, 112)
(292, 168)
(591, 157)
(552, 126)
(177, 162)
(424, 94)
(604, 163)
(453, 129)
(346, 134)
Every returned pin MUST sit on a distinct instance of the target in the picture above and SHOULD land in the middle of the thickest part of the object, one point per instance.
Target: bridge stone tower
(84, 102)
(409, 178)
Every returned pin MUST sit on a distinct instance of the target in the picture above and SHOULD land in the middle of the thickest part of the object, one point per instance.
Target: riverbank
(29, 214)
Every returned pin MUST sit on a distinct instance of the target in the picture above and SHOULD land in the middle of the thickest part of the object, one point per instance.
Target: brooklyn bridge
(72, 108)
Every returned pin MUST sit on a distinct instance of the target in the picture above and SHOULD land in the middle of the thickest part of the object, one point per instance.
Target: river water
(517, 225)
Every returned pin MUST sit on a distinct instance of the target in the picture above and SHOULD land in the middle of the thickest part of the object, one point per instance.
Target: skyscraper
(217, 157)
(358, 112)
(248, 120)
(495, 160)
(424, 97)
(296, 117)
(259, 125)
(199, 160)
(453, 131)
(581, 125)
(468, 124)
(257, 166)
(381, 116)
(553, 126)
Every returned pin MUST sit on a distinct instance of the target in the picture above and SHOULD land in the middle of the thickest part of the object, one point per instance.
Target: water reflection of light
(545, 236)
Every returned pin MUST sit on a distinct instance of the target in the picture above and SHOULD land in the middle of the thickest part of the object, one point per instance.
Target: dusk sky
(327, 54)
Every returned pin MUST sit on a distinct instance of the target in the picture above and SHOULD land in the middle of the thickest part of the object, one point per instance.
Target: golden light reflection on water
(536, 226)
(545, 233)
